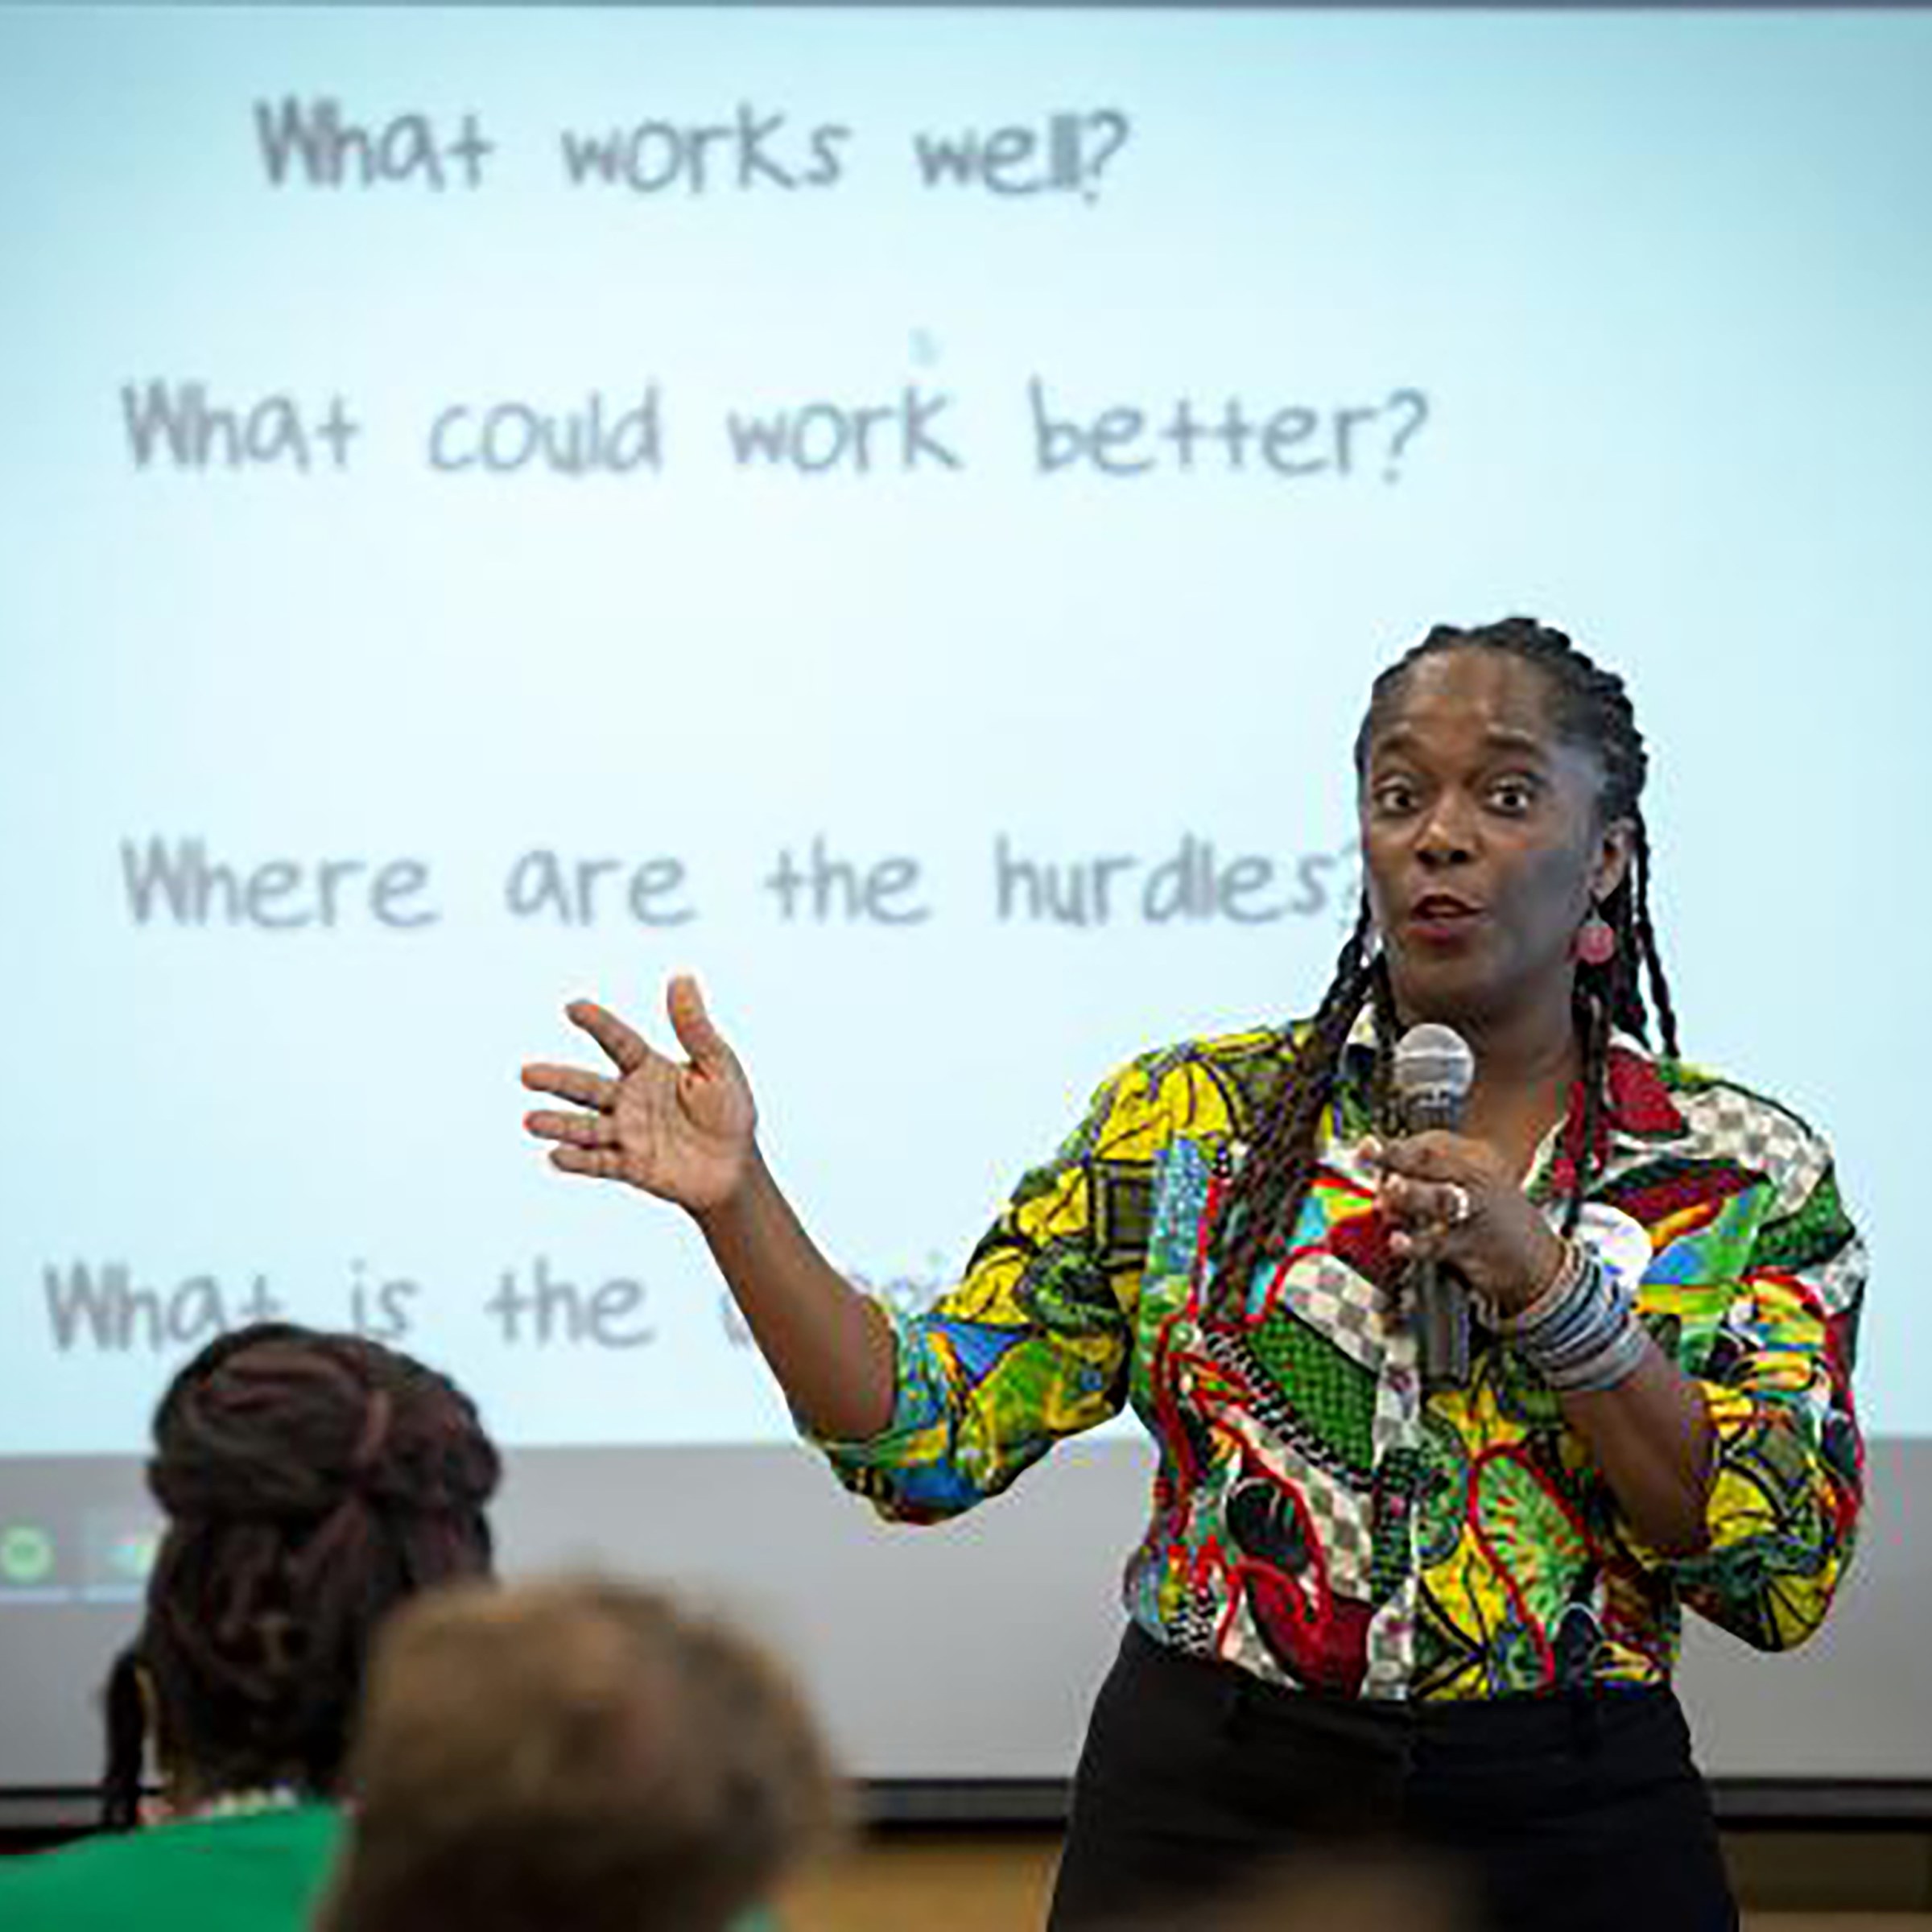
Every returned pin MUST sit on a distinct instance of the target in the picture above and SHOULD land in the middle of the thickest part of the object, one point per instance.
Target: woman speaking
(1452, 1419)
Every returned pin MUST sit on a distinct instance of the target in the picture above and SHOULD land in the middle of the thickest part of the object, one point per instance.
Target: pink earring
(1595, 942)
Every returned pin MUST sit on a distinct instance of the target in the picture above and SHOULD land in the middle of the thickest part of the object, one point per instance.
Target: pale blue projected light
(1072, 500)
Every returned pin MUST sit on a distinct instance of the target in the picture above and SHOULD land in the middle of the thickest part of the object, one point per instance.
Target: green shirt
(262, 1872)
(259, 1873)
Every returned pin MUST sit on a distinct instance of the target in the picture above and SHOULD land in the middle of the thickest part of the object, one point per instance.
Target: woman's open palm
(680, 1130)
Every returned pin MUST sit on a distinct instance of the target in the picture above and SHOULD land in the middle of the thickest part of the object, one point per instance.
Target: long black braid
(1280, 1164)
(1589, 707)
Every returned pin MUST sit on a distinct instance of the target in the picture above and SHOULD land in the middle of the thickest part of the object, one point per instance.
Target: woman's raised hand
(680, 1129)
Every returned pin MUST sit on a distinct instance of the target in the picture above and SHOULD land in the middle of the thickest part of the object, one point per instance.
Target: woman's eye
(1512, 794)
(1393, 795)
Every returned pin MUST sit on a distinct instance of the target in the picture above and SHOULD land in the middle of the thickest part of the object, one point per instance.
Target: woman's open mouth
(1440, 918)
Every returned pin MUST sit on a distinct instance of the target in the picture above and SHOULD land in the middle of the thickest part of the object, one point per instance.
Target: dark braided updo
(311, 1482)
(1588, 707)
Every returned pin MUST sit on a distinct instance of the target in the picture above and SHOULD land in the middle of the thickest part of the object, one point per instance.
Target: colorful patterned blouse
(1314, 1518)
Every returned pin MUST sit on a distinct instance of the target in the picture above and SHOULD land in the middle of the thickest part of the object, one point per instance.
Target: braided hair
(1588, 707)
(310, 1483)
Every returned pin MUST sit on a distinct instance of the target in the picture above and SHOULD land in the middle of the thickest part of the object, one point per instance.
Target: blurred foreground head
(577, 1753)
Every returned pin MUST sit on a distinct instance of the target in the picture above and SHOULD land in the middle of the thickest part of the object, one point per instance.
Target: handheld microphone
(1433, 1072)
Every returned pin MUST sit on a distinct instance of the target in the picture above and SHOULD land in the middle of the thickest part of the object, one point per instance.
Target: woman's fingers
(678, 1131)
(575, 1084)
(691, 1023)
(577, 1129)
(1428, 1180)
(624, 1045)
(600, 1163)
(592, 1128)
(1448, 1197)
(1434, 1204)
(1426, 1157)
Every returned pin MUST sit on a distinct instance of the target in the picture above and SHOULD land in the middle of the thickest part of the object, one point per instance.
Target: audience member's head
(310, 1483)
(576, 1754)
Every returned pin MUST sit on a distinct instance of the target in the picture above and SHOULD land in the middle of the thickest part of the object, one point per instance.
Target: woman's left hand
(1450, 1199)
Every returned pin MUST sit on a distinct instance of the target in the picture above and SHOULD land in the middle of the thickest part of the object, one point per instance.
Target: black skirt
(1575, 1813)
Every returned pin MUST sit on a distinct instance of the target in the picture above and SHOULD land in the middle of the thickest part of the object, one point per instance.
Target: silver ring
(1462, 1207)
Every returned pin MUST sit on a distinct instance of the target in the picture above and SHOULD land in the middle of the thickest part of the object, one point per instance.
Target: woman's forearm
(830, 1346)
(1651, 1437)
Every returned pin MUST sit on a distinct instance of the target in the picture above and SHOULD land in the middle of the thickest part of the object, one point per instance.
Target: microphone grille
(1434, 1070)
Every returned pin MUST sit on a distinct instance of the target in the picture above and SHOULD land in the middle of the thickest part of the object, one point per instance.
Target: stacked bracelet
(1582, 1331)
